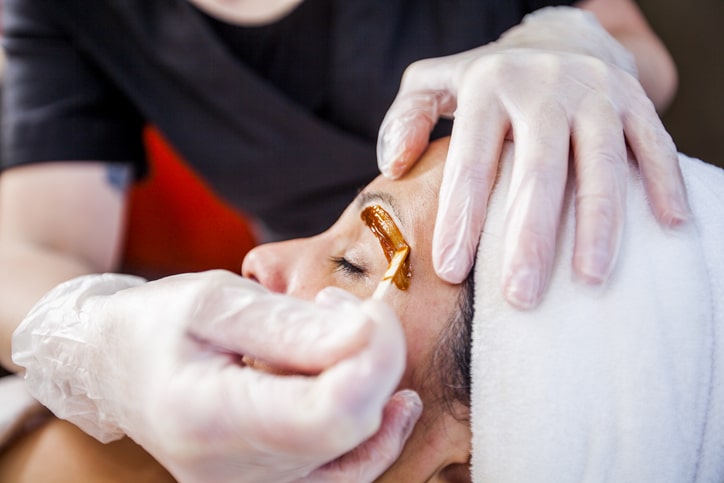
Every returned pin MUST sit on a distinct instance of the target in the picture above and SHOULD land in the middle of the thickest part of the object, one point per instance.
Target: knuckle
(596, 68)
(549, 62)
(213, 280)
(207, 291)
(536, 66)
(488, 67)
(605, 210)
(549, 111)
(417, 70)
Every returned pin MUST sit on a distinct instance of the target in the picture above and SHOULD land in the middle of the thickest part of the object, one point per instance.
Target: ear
(456, 431)
(437, 451)
(455, 473)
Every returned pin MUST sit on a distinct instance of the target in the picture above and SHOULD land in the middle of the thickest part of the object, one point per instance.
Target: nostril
(251, 264)
(264, 265)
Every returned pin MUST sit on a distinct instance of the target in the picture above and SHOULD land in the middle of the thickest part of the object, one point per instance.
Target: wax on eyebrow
(391, 239)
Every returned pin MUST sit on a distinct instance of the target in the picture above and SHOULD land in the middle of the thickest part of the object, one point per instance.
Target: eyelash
(348, 268)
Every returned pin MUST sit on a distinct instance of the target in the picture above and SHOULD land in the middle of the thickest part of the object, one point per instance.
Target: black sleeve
(57, 105)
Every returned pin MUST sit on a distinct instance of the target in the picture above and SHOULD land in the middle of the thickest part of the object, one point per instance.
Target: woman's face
(348, 255)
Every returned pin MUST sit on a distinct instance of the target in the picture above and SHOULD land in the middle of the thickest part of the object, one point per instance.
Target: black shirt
(281, 120)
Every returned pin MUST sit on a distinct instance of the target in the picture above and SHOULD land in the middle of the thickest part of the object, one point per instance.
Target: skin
(625, 22)
(438, 448)
(247, 12)
(440, 444)
(77, 226)
(59, 452)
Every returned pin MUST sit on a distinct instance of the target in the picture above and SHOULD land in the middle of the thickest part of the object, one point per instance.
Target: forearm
(656, 70)
(625, 22)
(57, 221)
(26, 274)
(58, 451)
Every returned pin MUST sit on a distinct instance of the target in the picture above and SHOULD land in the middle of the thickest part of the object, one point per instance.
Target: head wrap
(623, 383)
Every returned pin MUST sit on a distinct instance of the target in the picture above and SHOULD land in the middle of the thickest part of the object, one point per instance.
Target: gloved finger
(318, 417)
(405, 131)
(599, 153)
(241, 317)
(468, 176)
(534, 204)
(655, 152)
(372, 458)
(331, 297)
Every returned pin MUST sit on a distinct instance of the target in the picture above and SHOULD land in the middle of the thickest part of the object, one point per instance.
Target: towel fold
(623, 383)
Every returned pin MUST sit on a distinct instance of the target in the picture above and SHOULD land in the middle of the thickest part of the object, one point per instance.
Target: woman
(279, 114)
(595, 386)
(348, 255)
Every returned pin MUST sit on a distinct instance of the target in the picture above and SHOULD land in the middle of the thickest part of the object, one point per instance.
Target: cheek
(423, 324)
(421, 338)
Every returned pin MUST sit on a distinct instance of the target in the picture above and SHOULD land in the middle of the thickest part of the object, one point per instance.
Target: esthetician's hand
(556, 81)
(183, 366)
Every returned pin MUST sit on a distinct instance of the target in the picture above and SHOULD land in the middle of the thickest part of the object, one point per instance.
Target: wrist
(61, 345)
(571, 30)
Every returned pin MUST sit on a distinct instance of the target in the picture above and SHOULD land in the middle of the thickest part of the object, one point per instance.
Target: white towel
(620, 384)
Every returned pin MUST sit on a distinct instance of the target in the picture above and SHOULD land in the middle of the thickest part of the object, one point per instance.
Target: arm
(625, 22)
(57, 221)
(60, 452)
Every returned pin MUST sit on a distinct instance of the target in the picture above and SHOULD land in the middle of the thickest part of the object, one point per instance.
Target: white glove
(557, 80)
(161, 362)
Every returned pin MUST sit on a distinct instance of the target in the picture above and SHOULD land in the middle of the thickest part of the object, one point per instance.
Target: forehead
(412, 201)
(416, 193)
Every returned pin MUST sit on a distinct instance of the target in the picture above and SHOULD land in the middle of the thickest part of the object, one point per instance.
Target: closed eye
(348, 268)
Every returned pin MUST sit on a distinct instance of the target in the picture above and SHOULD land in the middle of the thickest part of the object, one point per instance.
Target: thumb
(373, 457)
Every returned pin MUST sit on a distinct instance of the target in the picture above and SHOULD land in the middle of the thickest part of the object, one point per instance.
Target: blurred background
(694, 33)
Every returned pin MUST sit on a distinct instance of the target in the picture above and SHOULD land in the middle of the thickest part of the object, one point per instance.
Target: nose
(270, 265)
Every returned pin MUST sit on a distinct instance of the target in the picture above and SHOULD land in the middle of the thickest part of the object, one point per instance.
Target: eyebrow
(366, 198)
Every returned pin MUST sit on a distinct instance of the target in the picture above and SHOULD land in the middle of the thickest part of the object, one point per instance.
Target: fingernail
(389, 150)
(412, 408)
(453, 268)
(523, 288)
(676, 218)
(679, 211)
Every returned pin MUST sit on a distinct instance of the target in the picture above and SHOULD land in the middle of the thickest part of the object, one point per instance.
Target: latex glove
(161, 362)
(575, 87)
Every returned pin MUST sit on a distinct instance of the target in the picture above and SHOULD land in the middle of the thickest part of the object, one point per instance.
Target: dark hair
(450, 361)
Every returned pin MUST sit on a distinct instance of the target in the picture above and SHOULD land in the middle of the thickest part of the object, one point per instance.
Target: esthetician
(277, 106)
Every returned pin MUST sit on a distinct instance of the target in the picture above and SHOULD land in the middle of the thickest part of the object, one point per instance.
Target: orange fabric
(176, 224)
